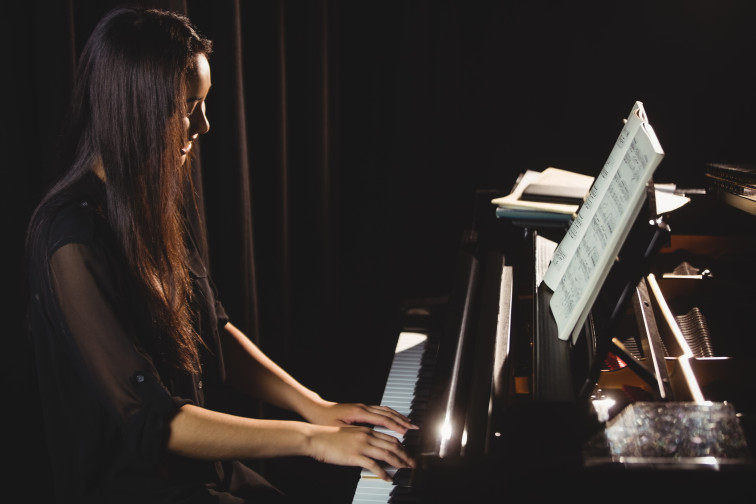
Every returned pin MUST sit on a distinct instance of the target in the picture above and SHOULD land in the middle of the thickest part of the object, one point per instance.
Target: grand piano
(656, 398)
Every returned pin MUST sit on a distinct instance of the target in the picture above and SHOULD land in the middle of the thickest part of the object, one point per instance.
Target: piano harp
(505, 406)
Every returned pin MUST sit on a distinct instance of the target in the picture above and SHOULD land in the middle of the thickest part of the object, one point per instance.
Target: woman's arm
(200, 433)
(250, 370)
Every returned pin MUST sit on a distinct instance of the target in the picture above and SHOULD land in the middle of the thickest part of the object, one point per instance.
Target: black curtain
(347, 138)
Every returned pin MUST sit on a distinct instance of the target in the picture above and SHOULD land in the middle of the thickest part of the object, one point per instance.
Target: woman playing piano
(130, 341)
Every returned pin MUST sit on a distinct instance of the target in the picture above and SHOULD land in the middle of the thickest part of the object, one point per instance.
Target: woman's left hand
(331, 413)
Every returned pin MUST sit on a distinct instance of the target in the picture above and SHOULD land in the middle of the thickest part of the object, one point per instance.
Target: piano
(657, 395)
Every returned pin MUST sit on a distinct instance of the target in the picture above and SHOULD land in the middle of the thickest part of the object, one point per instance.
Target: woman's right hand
(358, 446)
(211, 435)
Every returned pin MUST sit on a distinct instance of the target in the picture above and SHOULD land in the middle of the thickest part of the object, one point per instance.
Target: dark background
(347, 139)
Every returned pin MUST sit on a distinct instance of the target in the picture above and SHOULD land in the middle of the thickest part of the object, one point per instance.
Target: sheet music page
(584, 257)
(544, 251)
(567, 246)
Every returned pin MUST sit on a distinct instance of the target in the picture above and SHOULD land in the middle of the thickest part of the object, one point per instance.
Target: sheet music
(544, 251)
(566, 247)
(584, 257)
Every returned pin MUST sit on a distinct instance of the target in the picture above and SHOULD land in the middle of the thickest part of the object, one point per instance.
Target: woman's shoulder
(74, 218)
(73, 222)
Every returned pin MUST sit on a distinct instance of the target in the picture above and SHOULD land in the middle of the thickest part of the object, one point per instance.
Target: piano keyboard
(398, 394)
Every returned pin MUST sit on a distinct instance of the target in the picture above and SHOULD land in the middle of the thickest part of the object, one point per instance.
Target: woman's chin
(185, 153)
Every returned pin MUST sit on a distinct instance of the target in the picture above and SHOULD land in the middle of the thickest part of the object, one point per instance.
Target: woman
(131, 343)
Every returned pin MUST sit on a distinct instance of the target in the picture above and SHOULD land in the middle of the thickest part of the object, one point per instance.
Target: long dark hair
(126, 115)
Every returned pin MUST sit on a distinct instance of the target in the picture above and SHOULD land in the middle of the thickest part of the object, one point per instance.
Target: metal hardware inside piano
(658, 388)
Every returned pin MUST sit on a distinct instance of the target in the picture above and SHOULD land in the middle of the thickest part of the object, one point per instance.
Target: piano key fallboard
(447, 385)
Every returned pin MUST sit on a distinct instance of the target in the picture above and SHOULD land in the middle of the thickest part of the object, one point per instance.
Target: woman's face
(197, 86)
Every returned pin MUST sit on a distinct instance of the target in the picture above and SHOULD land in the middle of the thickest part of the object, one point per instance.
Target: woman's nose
(200, 124)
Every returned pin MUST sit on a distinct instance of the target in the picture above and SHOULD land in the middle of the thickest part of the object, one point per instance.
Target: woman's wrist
(312, 406)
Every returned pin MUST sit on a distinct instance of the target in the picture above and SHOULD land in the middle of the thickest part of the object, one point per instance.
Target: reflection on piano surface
(504, 406)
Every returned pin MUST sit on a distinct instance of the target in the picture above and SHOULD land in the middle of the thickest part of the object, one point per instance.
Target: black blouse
(107, 400)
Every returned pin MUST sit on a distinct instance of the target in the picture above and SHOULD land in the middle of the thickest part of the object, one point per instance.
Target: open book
(585, 255)
(553, 177)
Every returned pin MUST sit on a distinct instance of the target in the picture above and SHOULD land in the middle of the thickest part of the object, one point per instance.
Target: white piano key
(397, 394)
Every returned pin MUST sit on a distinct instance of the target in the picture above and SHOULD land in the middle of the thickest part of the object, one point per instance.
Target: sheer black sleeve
(96, 330)
(93, 334)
